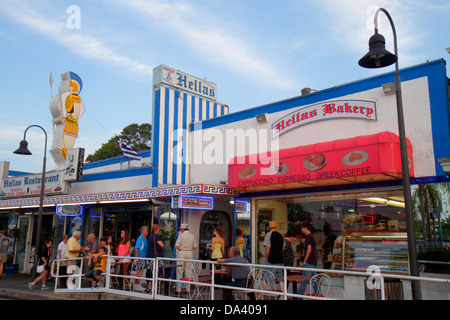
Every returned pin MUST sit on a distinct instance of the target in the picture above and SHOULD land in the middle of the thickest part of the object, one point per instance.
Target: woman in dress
(123, 250)
(218, 244)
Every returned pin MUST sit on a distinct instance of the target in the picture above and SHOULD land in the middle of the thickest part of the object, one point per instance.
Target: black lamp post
(379, 57)
(23, 149)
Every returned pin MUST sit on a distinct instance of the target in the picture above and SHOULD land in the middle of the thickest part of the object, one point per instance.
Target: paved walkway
(15, 286)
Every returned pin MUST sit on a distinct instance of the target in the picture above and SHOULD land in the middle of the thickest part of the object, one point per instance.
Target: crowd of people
(278, 252)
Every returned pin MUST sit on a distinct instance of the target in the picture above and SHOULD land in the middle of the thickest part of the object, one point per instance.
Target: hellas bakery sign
(354, 109)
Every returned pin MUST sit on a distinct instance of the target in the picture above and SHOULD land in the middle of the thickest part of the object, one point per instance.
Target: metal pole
(412, 247)
(41, 200)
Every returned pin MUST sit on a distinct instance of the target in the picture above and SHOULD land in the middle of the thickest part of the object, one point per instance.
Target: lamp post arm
(393, 31)
(41, 197)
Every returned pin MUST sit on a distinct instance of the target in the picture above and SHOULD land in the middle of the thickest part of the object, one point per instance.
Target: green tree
(427, 204)
(136, 136)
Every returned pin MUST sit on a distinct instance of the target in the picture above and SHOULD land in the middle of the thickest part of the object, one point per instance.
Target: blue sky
(256, 52)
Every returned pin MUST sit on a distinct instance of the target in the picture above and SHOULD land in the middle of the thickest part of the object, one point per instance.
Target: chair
(254, 279)
(270, 284)
(319, 285)
(198, 290)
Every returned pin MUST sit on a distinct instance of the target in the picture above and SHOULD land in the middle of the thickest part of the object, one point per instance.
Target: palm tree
(427, 204)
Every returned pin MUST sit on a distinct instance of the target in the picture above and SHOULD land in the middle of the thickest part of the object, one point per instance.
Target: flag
(127, 151)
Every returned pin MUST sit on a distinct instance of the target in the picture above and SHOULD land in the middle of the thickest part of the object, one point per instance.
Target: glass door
(23, 245)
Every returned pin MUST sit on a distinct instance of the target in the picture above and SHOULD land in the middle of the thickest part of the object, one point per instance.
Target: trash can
(393, 290)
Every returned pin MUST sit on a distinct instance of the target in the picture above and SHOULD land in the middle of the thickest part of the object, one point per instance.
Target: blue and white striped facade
(173, 113)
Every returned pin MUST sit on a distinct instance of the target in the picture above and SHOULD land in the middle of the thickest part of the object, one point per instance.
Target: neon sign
(192, 202)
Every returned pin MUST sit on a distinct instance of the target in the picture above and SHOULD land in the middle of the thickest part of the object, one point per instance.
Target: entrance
(209, 222)
(23, 246)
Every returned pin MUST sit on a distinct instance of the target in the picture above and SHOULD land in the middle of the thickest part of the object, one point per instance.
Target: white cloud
(353, 22)
(86, 46)
(211, 38)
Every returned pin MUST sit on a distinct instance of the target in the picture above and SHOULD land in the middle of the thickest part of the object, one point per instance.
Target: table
(294, 278)
(166, 275)
(222, 275)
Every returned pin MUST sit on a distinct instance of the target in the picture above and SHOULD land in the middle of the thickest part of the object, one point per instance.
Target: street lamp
(23, 149)
(379, 57)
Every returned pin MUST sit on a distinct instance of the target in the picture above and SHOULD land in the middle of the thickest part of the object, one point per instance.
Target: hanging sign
(192, 202)
(69, 210)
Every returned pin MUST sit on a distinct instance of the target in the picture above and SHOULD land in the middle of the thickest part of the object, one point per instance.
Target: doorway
(208, 223)
(23, 246)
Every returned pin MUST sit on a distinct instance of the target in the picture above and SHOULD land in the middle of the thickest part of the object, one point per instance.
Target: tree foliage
(136, 136)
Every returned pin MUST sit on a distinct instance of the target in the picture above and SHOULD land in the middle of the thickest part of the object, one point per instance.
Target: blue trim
(435, 71)
(112, 161)
(185, 136)
(166, 135)
(155, 137)
(200, 109)
(175, 142)
(326, 94)
(117, 174)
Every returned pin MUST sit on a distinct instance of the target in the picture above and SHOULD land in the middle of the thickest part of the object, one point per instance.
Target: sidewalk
(15, 286)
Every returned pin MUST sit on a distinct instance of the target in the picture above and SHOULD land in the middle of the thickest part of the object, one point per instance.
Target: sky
(256, 52)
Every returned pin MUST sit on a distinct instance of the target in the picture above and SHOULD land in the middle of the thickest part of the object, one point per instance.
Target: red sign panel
(363, 158)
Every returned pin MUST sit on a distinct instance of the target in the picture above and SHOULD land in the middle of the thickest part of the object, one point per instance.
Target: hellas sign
(182, 81)
(354, 109)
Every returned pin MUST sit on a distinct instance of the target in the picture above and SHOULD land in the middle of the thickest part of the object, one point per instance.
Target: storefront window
(167, 221)
(242, 223)
(331, 217)
(209, 222)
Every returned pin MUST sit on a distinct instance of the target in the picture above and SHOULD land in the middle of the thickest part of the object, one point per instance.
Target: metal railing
(160, 280)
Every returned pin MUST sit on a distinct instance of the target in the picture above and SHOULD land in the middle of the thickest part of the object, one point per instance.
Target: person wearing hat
(274, 246)
(185, 244)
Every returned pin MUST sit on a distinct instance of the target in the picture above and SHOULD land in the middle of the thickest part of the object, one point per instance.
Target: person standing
(61, 254)
(140, 250)
(74, 248)
(155, 249)
(241, 243)
(123, 250)
(217, 244)
(310, 259)
(274, 247)
(185, 244)
(288, 253)
(44, 260)
(93, 244)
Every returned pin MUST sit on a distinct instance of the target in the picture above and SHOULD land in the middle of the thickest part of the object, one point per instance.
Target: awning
(360, 159)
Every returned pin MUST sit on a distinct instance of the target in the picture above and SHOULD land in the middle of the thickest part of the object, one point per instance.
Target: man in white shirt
(185, 245)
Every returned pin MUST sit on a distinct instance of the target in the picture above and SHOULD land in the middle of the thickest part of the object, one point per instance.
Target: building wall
(426, 111)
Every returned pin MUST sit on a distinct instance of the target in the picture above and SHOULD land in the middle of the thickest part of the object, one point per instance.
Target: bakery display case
(386, 249)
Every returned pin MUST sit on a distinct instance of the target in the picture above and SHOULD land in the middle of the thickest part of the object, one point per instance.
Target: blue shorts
(277, 273)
